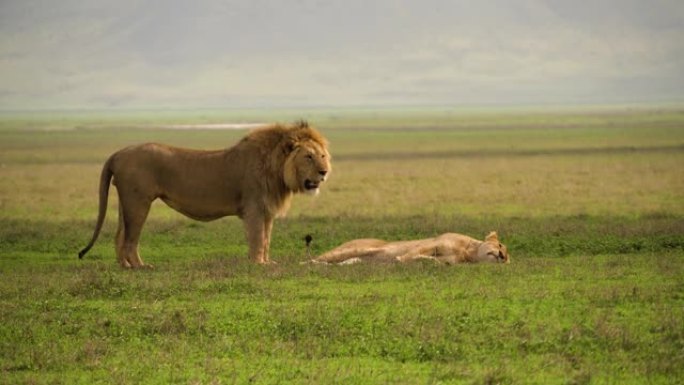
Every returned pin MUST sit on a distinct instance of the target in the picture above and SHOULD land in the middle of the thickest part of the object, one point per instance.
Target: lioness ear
(492, 237)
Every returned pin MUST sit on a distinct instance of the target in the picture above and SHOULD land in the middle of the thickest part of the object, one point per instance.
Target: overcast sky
(266, 53)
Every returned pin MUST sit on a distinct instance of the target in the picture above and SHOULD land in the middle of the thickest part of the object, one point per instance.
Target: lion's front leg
(258, 238)
(268, 226)
(419, 253)
(415, 257)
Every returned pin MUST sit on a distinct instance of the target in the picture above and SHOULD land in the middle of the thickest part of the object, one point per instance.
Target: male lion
(448, 248)
(255, 180)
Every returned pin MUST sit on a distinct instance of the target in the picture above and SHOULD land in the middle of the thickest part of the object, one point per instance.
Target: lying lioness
(448, 248)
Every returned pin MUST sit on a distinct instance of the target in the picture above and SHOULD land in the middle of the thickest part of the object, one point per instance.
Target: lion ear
(492, 237)
(290, 145)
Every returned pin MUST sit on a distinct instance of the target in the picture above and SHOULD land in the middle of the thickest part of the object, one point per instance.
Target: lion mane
(255, 180)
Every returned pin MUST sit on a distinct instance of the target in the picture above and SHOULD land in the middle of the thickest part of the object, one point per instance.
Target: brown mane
(271, 145)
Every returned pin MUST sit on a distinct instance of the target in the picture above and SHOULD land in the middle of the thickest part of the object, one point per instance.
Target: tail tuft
(308, 240)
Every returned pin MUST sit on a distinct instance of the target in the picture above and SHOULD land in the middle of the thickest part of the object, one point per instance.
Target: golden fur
(254, 179)
(448, 248)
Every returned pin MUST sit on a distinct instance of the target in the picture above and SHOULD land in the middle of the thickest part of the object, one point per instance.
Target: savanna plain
(589, 202)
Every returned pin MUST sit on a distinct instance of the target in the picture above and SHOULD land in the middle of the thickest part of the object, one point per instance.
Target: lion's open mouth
(310, 185)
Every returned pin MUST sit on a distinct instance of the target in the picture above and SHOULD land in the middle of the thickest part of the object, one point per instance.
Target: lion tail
(308, 240)
(105, 180)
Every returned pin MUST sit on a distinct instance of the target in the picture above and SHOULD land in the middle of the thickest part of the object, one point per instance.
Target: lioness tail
(308, 240)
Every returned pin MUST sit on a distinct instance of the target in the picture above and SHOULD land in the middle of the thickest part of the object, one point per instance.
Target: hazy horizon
(77, 54)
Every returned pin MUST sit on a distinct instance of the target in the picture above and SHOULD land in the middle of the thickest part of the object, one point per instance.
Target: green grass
(590, 204)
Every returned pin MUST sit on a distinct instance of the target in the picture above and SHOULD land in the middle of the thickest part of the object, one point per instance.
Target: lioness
(448, 248)
(255, 180)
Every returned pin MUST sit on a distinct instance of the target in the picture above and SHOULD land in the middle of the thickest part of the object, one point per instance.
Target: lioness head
(491, 250)
(308, 162)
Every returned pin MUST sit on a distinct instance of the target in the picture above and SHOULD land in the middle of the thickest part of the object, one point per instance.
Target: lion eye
(309, 156)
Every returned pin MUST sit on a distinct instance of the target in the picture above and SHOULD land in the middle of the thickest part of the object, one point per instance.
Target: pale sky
(308, 53)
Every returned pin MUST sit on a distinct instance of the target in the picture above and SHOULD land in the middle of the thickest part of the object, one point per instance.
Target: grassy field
(590, 204)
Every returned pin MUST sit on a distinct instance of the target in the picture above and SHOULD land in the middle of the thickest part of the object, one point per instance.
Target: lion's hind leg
(119, 241)
(342, 257)
(349, 256)
(133, 210)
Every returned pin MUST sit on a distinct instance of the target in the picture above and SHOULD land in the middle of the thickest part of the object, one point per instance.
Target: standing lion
(255, 180)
